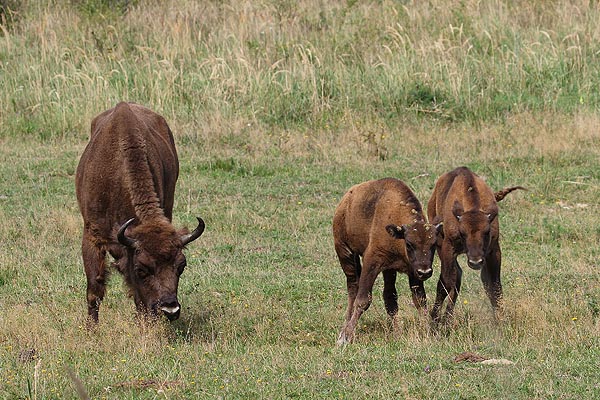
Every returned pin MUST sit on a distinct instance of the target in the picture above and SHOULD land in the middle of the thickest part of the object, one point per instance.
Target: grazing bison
(125, 184)
(381, 221)
(467, 207)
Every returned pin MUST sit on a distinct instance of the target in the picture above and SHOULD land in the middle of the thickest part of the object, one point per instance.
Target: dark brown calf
(467, 207)
(381, 221)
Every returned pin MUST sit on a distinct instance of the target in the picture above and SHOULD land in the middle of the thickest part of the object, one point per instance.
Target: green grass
(277, 110)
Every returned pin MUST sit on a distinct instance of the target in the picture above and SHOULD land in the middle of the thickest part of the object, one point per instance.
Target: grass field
(277, 109)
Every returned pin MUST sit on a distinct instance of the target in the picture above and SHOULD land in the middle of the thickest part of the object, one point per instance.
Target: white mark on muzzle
(170, 310)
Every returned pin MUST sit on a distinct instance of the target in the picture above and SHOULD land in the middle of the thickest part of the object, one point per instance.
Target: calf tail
(502, 193)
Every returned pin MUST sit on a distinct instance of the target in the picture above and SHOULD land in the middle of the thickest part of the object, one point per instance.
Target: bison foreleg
(440, 296)
(445, 252)
(490, 277)
(418, 293)
(448, 283)
(453, 282)
(94, 262)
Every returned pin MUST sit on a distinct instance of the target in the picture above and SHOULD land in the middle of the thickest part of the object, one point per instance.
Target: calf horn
(185, 239)
(123, 239)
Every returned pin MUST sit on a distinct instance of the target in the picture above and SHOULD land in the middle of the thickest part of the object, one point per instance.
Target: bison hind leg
(350, 263)
(390, 295)
(94, 262)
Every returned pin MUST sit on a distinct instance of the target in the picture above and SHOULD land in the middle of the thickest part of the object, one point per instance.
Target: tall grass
(302, 66)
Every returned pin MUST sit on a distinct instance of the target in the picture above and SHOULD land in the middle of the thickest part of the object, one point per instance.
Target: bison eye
(142, 271)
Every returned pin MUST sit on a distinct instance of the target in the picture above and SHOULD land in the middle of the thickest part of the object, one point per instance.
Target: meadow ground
(277, 111)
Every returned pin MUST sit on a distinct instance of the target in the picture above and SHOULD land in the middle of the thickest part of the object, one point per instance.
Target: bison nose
(424, 273)
(475, 264)
(170, 308)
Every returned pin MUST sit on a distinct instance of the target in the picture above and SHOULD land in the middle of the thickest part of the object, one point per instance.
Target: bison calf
(467, 207)
(381, 221)
(125, 185)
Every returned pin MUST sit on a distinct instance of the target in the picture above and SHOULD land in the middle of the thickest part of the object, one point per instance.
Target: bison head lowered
(153, 263)
(420, 239)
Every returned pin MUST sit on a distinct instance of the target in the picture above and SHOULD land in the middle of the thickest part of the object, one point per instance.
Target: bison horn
(185, 239)
(123, 239)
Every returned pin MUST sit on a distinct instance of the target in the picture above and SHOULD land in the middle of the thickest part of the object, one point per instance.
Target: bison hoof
(343, 339)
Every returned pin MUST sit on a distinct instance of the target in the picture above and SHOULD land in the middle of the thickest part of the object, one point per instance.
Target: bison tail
(502, 193)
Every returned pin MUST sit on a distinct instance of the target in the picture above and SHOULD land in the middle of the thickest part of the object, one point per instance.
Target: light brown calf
(381, 221)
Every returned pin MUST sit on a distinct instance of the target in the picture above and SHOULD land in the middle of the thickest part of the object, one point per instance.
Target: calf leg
(453, 282)
(361, 303)
(350, 263)
(490, 277)
(418, 293)
(390, 295)
(448, 283)
(94, 262)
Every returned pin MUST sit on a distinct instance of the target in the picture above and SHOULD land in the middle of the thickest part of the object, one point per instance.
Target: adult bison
(468, 209)
(125, 184)
(381, 221)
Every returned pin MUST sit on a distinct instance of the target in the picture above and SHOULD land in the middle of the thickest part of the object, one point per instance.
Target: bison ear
(396, 231)
(457, 210)
(491, 215)
(439, 228)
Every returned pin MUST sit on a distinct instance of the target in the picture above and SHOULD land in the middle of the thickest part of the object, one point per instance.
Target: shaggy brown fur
(467, 207)
(128, 170)
(381, 221)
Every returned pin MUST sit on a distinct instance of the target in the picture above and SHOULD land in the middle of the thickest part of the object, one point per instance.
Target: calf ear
(457, 210)
(439, 228)
(396, 231)
(491, 215)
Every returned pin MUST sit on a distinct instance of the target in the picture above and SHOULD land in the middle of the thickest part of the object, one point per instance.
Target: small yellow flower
(574, 318)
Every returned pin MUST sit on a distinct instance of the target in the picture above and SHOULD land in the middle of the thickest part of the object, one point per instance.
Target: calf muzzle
(475, 264)
(424, 273)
